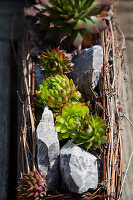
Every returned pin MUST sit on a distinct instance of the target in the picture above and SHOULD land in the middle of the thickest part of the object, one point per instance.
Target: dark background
(11, 40)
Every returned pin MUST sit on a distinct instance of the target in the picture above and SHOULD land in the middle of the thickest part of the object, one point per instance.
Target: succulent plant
(56, 91)
(32, 186)
(76, 123)
(70, 117)
(54, 62)
(73, 19)
(90, 132)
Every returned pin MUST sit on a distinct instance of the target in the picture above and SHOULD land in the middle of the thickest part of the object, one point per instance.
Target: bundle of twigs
(112, 42)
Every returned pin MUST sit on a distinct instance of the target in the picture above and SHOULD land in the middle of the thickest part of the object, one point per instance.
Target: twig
(127, 119)
(33, 108)
(20, 98)
(29, 105)
(103, 72)
(68, 196)
(24, 142)
(126, 173)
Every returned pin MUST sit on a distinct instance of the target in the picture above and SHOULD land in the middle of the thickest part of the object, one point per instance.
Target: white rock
(48, 148)
(97, 64)
(79, 168)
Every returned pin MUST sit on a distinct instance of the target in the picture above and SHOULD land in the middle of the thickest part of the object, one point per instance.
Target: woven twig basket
(112, 41)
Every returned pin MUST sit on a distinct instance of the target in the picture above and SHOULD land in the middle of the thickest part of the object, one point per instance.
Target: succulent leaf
(56, 91)
(74, 17)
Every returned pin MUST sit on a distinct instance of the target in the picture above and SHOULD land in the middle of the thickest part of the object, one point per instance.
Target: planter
(112, 41)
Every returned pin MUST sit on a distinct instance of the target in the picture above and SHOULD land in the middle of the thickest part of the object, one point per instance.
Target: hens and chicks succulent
(73, 19)
(32, 186)
(54, 62)
(56, 91)
(75, 122)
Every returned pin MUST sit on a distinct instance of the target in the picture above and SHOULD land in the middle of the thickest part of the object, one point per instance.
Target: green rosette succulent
(54, 62)
(56, 91)
(90, 132)
(73, 19)
(70, 117)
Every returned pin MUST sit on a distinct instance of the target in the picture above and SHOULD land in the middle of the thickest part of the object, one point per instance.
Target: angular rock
(48, 148)
(79, 168)
(39, 76)
(87, 69)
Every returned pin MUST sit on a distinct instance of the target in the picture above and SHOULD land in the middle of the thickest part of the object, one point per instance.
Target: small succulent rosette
(90, 132)
(54, 62)
(70, 117)
(32, 186)
(56, 91)
(75, 122)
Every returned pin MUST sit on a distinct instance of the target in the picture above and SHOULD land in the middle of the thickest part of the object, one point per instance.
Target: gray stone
(78, 168)
(39, 76)
(86, 59)
(87, 71)
(48, 148)
(97, 64)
